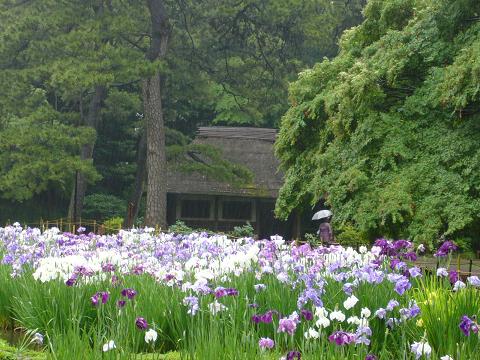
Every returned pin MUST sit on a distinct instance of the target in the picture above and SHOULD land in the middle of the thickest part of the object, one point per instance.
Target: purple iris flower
(392, 304)
(371, 357)
(446, 248)
(401, 244)
(82, 270)
(411, 256)
(169, 277)
(383, 243)
(396, 264)
(288, 324)
(72, 280)
(292, 355)
(256, 318)
(221, 292)
(129, 293)
(266, 343)
(192, 303)
(474, 281)
(121, 303)
(307, 315)
(115, 280)
(95, 300)
(391, 322)
(467, 325)
(348, 288)
(259, 287)
(453, 276)
(415, 272)
(362, 335)
(342, 338)
(138, 270)
(105, 295)
(108, 267)
(141, 323)
(380, 313)
(413, 311)
(402, 285)
(310, 294)
(99, 297)
(266, 318)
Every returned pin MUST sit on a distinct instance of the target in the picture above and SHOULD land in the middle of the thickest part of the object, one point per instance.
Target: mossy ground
(8, 352)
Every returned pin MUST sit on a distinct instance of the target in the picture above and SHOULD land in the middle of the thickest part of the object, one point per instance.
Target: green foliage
(38, 150)
(348, 235)
(440, 309)
(116, 145)
(312, 239)
(113, 225)
(180, 228)
(246, 230)
(390, 126)
(247, 51)
(8, 352)
(103, 206)
(466, 247)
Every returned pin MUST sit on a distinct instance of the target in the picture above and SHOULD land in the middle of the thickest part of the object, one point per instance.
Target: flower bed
(210, 297)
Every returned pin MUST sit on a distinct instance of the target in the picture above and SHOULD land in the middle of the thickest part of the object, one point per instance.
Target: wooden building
(203, 202)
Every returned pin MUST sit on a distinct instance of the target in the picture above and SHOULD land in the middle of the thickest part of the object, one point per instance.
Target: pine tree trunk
(156, 207)
(156, 214)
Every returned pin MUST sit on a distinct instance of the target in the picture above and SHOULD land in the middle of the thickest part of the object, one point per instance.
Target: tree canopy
(74, 68)
(387, 132)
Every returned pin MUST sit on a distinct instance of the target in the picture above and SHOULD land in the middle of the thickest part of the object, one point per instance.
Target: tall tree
(156, 212)
(387, 132)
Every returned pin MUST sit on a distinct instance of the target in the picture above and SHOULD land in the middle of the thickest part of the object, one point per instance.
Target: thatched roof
(251, 147)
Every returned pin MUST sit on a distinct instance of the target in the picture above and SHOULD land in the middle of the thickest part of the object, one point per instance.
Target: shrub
(246, 230)
(103, 206)
(348, 235)
(465, 246)
(113, 225)
(312, 239)
(179, 228)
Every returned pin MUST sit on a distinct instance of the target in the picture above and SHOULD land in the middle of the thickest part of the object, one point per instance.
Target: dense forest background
(71, 100)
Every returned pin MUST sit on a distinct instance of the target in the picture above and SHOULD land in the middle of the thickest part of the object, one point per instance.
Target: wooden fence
(67, 225)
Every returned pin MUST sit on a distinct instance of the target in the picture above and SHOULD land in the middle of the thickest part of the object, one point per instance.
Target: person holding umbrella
(325, 232)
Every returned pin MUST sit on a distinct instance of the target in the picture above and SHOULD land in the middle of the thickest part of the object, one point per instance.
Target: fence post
(470, 267)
